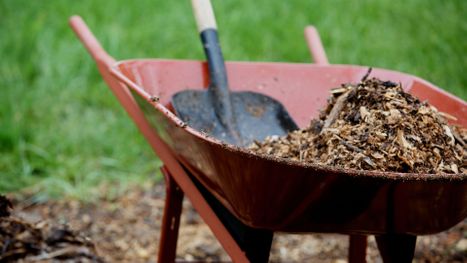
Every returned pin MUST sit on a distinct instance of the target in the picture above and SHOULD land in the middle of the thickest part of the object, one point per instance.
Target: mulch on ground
(127, 228)
(24, 241)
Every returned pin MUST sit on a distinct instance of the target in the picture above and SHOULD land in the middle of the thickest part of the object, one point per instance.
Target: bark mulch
(375, 125)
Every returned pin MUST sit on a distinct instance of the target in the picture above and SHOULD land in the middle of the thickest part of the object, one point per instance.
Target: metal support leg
(396, 248)
(357, 248)
(170, 220)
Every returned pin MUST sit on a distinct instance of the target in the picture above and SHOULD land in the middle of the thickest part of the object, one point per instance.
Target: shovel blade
(257, 116)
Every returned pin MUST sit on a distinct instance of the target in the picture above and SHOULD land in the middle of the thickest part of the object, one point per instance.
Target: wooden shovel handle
(204, 14)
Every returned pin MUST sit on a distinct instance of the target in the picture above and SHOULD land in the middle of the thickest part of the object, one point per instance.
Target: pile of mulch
(22, 241)
(127, 229)
(375, 125)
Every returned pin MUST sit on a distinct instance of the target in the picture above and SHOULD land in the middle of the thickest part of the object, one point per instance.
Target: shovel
(236, 118)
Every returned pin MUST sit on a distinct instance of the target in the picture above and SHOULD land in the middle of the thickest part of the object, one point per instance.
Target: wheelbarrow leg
(357, 248)
(170, 219)
(396, 248)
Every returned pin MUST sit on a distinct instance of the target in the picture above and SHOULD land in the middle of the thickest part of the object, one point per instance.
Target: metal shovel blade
(257, 116)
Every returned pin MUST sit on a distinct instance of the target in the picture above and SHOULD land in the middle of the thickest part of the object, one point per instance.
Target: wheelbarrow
(245, 198)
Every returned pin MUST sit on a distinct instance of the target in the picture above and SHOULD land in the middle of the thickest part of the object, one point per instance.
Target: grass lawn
(63, 132)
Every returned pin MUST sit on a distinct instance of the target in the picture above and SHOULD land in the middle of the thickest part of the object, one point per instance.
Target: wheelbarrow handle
(90, 42)
(315, 46)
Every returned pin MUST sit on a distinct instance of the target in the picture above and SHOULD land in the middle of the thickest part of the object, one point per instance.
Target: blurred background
(63, 133)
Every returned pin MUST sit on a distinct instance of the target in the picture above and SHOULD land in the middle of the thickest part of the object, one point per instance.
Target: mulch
(375, 125)
(23, 241)
(126, 229)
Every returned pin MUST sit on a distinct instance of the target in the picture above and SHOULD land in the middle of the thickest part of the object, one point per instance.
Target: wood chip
(336, 109)
(375, 125)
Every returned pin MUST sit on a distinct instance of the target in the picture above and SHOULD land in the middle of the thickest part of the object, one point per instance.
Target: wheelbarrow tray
(280, 195)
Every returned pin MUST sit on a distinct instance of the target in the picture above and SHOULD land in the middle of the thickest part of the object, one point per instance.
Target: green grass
(63, 132)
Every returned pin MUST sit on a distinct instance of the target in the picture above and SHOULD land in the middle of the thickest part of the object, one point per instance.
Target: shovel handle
(204, 14)
(207, 28)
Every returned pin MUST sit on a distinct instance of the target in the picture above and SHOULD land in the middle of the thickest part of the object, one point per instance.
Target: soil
(375, 125)
(127, 228)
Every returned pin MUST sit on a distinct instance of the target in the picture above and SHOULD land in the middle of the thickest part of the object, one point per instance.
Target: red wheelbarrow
(245, 198)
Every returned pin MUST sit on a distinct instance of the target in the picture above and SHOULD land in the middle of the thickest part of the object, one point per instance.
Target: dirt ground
(126, 229)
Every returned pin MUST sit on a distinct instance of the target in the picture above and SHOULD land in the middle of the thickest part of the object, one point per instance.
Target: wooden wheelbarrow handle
(315, 46)
(90, 42)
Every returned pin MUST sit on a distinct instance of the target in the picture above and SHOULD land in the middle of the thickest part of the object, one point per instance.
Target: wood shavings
(364, 113)
(336, 109)
(375, 125)
(402, 141)
(448, 132)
